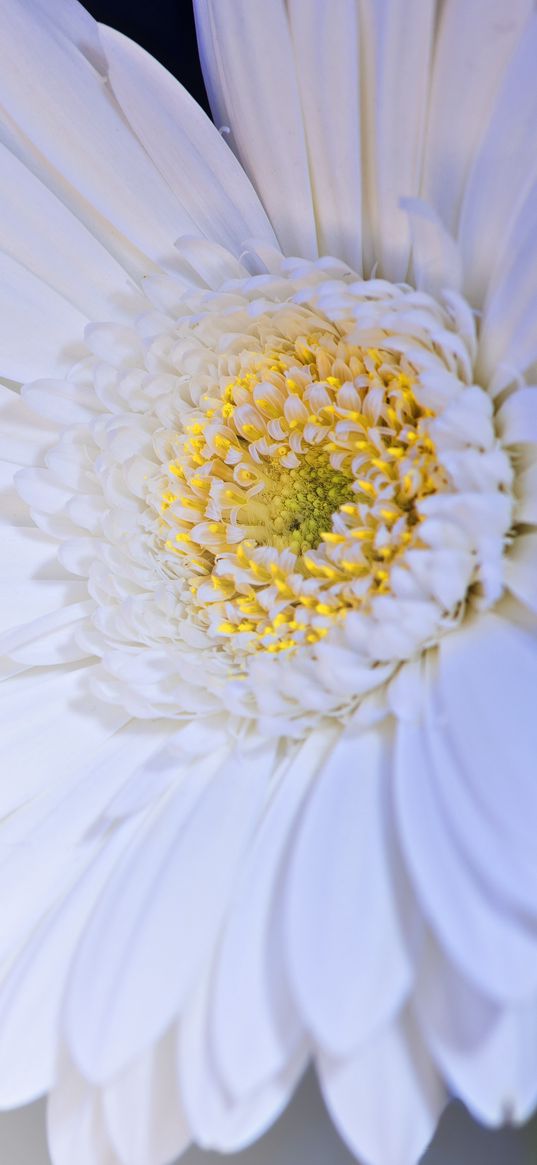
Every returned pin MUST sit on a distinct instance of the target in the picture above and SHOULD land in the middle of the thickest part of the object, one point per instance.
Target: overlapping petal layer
(190, 914)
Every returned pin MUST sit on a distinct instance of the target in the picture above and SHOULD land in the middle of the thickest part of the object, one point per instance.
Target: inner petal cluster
(293, 491)
(290, 487)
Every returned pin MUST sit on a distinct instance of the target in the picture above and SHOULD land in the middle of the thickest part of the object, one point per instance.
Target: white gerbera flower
(270, 574)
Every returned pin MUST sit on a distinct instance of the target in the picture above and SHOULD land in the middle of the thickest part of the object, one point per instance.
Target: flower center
(294, 490)
(296, 506)
(293, 486)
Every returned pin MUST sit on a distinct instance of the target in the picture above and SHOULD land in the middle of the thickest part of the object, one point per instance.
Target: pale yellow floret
(304, 519)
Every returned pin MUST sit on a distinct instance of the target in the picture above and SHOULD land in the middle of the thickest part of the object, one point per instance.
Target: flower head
(271, 606)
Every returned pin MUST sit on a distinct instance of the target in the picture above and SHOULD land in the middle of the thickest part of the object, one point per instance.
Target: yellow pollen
(298, 522)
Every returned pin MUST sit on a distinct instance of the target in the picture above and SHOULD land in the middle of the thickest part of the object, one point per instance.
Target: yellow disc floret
(293, 490)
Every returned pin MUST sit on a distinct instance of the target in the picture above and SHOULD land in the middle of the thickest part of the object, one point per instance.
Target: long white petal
(186, 148)
(143, 1110)
(349, 958)
(24, 437)
(521, 569)
(40, 332)
(508, 333)
(396, 54)
(504, 166)
(58, 108)
(161, 913)
(486, 668)
(75, 1121)
(250, 73)
(487, 1054)
(517, 417)
(385, 1101)
(30, 996)
(217, 1120)
(326, 47)
(256, 1025)
(475, 39)
(40, 232)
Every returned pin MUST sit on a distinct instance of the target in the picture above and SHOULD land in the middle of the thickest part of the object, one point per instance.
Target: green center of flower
(296, 506)
(294, 487)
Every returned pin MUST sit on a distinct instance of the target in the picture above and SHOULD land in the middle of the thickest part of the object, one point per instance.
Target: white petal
(249, 70)
(526, 490)
(483, 699)
(41, 490)
(31, 994)
(185, 146)
(58, 697)
(255, 1022)
(436, 259)
(33, 599)
(213, 263)
(124, 771)
(29, 553)
(344, 900)
(143, 1109)
(158, 919)
(13, 511)
(504, 164)
(49, 639)
(385, 1102)
(40, 332)
(217, 1121)
(521, 569)
(475, 38)
(517, 417)
(487, 1054)
(94, 282)
(396, 56)
(75, 1122)
(60, 401)
(508, 336)
(23, 436)
(93, 159)
(326, 45)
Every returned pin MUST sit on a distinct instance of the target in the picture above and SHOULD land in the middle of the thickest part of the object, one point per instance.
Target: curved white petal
(385, 1101)
(521, 570)
(184, 145)
(477, 39)
(526, 492)
(326, 48)
(56, 697)
(349, 958)
(75, 1121)
(487, 1054)
(217, 1120)
(40, 332)
(29, 553)
(250, 73)
(397, 43)
(517, 417)
(41, 233)
(255, 1024)
(31, 994)
(34, 599)
(72, 133)
(24, 437)
(143, 1110)
(436, 260)
(504, 165)
(486, 672)
(160, 915)
(508, 334)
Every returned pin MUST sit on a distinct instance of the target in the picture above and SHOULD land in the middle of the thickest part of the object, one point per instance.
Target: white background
(303, 1136)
